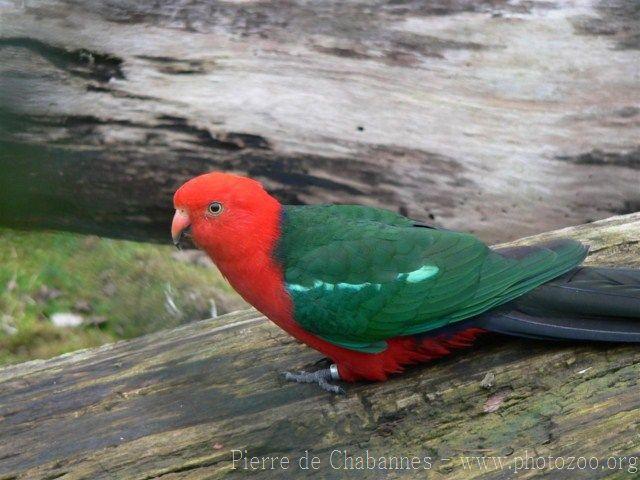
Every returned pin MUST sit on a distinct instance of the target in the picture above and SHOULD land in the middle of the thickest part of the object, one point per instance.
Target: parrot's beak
(180, 227)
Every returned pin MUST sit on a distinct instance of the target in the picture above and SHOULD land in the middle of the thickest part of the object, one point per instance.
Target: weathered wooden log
(503, 117)
(176, 403)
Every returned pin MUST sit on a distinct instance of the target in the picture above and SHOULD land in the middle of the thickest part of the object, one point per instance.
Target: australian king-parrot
(375, 291)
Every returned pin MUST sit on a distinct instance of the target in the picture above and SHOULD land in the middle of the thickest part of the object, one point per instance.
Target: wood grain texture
(174, 404)
(506, 118)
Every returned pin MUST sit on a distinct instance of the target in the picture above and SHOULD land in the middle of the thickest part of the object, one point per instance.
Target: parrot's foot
(321, 377)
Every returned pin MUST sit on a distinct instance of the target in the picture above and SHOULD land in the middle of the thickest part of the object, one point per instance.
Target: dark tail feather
(587, 303)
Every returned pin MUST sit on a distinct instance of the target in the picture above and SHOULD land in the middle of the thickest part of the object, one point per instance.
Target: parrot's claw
(321, 377)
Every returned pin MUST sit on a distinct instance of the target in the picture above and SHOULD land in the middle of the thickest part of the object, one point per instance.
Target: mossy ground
(122, 289)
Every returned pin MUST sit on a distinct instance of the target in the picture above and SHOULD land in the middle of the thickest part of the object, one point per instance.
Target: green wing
(359, 275)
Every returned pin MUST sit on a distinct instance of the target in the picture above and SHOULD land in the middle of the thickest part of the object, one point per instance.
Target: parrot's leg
(321, 377)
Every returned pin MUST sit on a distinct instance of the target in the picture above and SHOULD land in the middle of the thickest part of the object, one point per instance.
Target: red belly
(401, 351)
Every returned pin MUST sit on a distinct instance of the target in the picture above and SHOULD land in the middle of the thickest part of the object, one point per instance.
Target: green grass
(122, 289)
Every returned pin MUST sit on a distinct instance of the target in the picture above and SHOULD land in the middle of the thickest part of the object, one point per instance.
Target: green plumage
(359, 275)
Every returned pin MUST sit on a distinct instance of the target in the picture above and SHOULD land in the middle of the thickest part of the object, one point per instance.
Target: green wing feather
(360, 275)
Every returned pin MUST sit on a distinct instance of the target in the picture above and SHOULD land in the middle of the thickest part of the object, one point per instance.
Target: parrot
(375, 291)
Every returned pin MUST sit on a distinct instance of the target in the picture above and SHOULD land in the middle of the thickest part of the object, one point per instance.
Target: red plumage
(243, 251)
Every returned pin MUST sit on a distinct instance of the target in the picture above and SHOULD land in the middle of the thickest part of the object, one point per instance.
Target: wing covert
(361, 281)
(358, 275)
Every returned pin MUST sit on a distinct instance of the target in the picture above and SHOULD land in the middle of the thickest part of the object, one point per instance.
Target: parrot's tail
(586, 303)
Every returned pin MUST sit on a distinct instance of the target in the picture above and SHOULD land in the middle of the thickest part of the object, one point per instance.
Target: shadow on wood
(174, 404)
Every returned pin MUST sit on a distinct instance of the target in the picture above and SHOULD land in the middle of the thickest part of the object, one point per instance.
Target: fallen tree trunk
(506, 118)
(175, 404)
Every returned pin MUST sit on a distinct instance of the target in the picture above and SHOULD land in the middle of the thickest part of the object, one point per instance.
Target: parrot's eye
(215, 208)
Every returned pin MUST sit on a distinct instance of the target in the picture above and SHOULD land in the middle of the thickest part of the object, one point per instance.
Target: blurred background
(503, 118)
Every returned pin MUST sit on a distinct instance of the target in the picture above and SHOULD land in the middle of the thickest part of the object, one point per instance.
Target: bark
(174, 404)
(500, 117)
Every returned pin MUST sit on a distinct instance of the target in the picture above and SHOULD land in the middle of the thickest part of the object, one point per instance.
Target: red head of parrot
(237, 223)
(230, 217)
